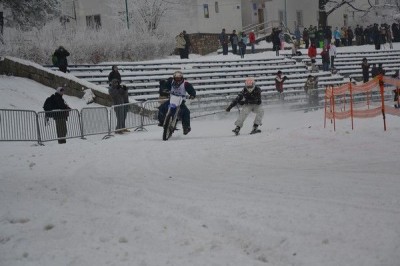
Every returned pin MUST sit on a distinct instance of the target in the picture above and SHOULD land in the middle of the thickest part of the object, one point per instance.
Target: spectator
(396, 91)
(328, 36)
(242, 47)
(380, 70)
(114, 74)
(223, 40)
(350, 36)
(311, 89)
(312, 53)
(119, 95)
(306, 38)
(358, 32)
(337, 36)
(332, 54)
(374, 71)
(61, 54)
(297, 34)
(276, 42)
(389, 37)
(312, 31)
(187, 44)
(396, 32)
(282, 40)
(325, 59)
(365, 69)
(376, 37)
(250, 98)
(61, 116)
(343, 36)
(279, 80)
(234, 39)
(252, 41)
(180, 45)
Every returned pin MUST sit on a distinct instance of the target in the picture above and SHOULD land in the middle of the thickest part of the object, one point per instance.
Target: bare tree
(327, 7)
(149, 13)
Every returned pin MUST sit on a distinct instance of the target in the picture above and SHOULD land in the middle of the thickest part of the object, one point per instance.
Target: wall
(203, 43)
(75, 87)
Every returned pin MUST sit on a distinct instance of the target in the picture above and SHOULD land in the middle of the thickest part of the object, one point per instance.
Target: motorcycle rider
(250, 97)
(176, 85)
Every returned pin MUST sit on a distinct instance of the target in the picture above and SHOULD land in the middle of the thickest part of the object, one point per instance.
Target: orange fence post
(382, 90)
(333, 110)
(326, 91)
(351, 106)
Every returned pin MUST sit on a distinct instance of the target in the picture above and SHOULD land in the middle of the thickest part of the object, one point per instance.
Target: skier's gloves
(191, 97)
(228, 109)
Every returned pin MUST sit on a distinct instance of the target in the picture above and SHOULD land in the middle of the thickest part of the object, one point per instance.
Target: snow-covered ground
(296, 194)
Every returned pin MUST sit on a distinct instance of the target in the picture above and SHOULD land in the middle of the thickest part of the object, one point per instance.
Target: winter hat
(60, 90)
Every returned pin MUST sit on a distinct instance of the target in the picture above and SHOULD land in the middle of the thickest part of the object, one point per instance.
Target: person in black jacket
(114, 74)
(60, 114)
(62, 61)
(250, 98)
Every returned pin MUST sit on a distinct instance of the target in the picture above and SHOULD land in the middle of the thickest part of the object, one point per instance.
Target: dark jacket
(58, 103)
(246, 97)
(61, 55)
(114, 75)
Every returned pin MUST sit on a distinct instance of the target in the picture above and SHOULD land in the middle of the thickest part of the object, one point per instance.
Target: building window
(1, 23)
(299, 18)
(216, 7)
(206, 12)
(281, 16)
(93, 22)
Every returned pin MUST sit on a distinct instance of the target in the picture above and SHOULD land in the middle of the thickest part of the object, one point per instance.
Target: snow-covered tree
(27, 14)
(327, 7)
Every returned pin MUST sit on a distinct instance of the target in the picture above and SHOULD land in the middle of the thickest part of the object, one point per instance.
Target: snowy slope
(297, 194)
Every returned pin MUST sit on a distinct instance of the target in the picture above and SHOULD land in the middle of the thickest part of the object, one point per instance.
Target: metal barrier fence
(27, 125)
(18, 125)
(59, 124)
(95, 120)
(125, 116)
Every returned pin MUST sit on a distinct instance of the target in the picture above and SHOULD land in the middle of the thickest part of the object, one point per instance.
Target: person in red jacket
(312, 53)
(252, 41)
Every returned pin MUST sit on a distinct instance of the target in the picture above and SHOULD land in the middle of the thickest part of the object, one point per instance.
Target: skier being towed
(250, 98)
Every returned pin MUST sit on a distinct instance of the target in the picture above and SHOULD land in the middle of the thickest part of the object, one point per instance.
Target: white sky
(296, 194)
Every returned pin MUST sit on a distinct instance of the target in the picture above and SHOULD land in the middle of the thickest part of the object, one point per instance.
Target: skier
(250, 97)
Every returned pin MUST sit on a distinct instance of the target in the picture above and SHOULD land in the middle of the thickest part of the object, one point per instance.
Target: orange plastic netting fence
(365, 100)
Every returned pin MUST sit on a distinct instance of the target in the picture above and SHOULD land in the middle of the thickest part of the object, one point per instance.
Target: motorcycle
(172, 116)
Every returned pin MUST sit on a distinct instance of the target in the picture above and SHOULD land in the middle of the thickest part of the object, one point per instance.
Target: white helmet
(178, 77)
(250, 84)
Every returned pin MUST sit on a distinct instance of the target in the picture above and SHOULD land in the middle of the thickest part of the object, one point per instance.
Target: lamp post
(285, 13)
(127, 14)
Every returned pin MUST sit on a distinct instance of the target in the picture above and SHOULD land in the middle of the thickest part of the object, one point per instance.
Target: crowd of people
(345, 36)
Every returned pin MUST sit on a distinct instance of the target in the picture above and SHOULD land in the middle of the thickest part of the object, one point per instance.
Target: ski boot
(255, 129)
(236, 130)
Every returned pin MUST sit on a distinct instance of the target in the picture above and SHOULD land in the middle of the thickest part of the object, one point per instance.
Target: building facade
(210, 16)
(195, 16)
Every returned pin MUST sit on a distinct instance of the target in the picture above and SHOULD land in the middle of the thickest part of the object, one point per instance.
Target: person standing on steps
(61, 54)
(365, 69)
(250, 98)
